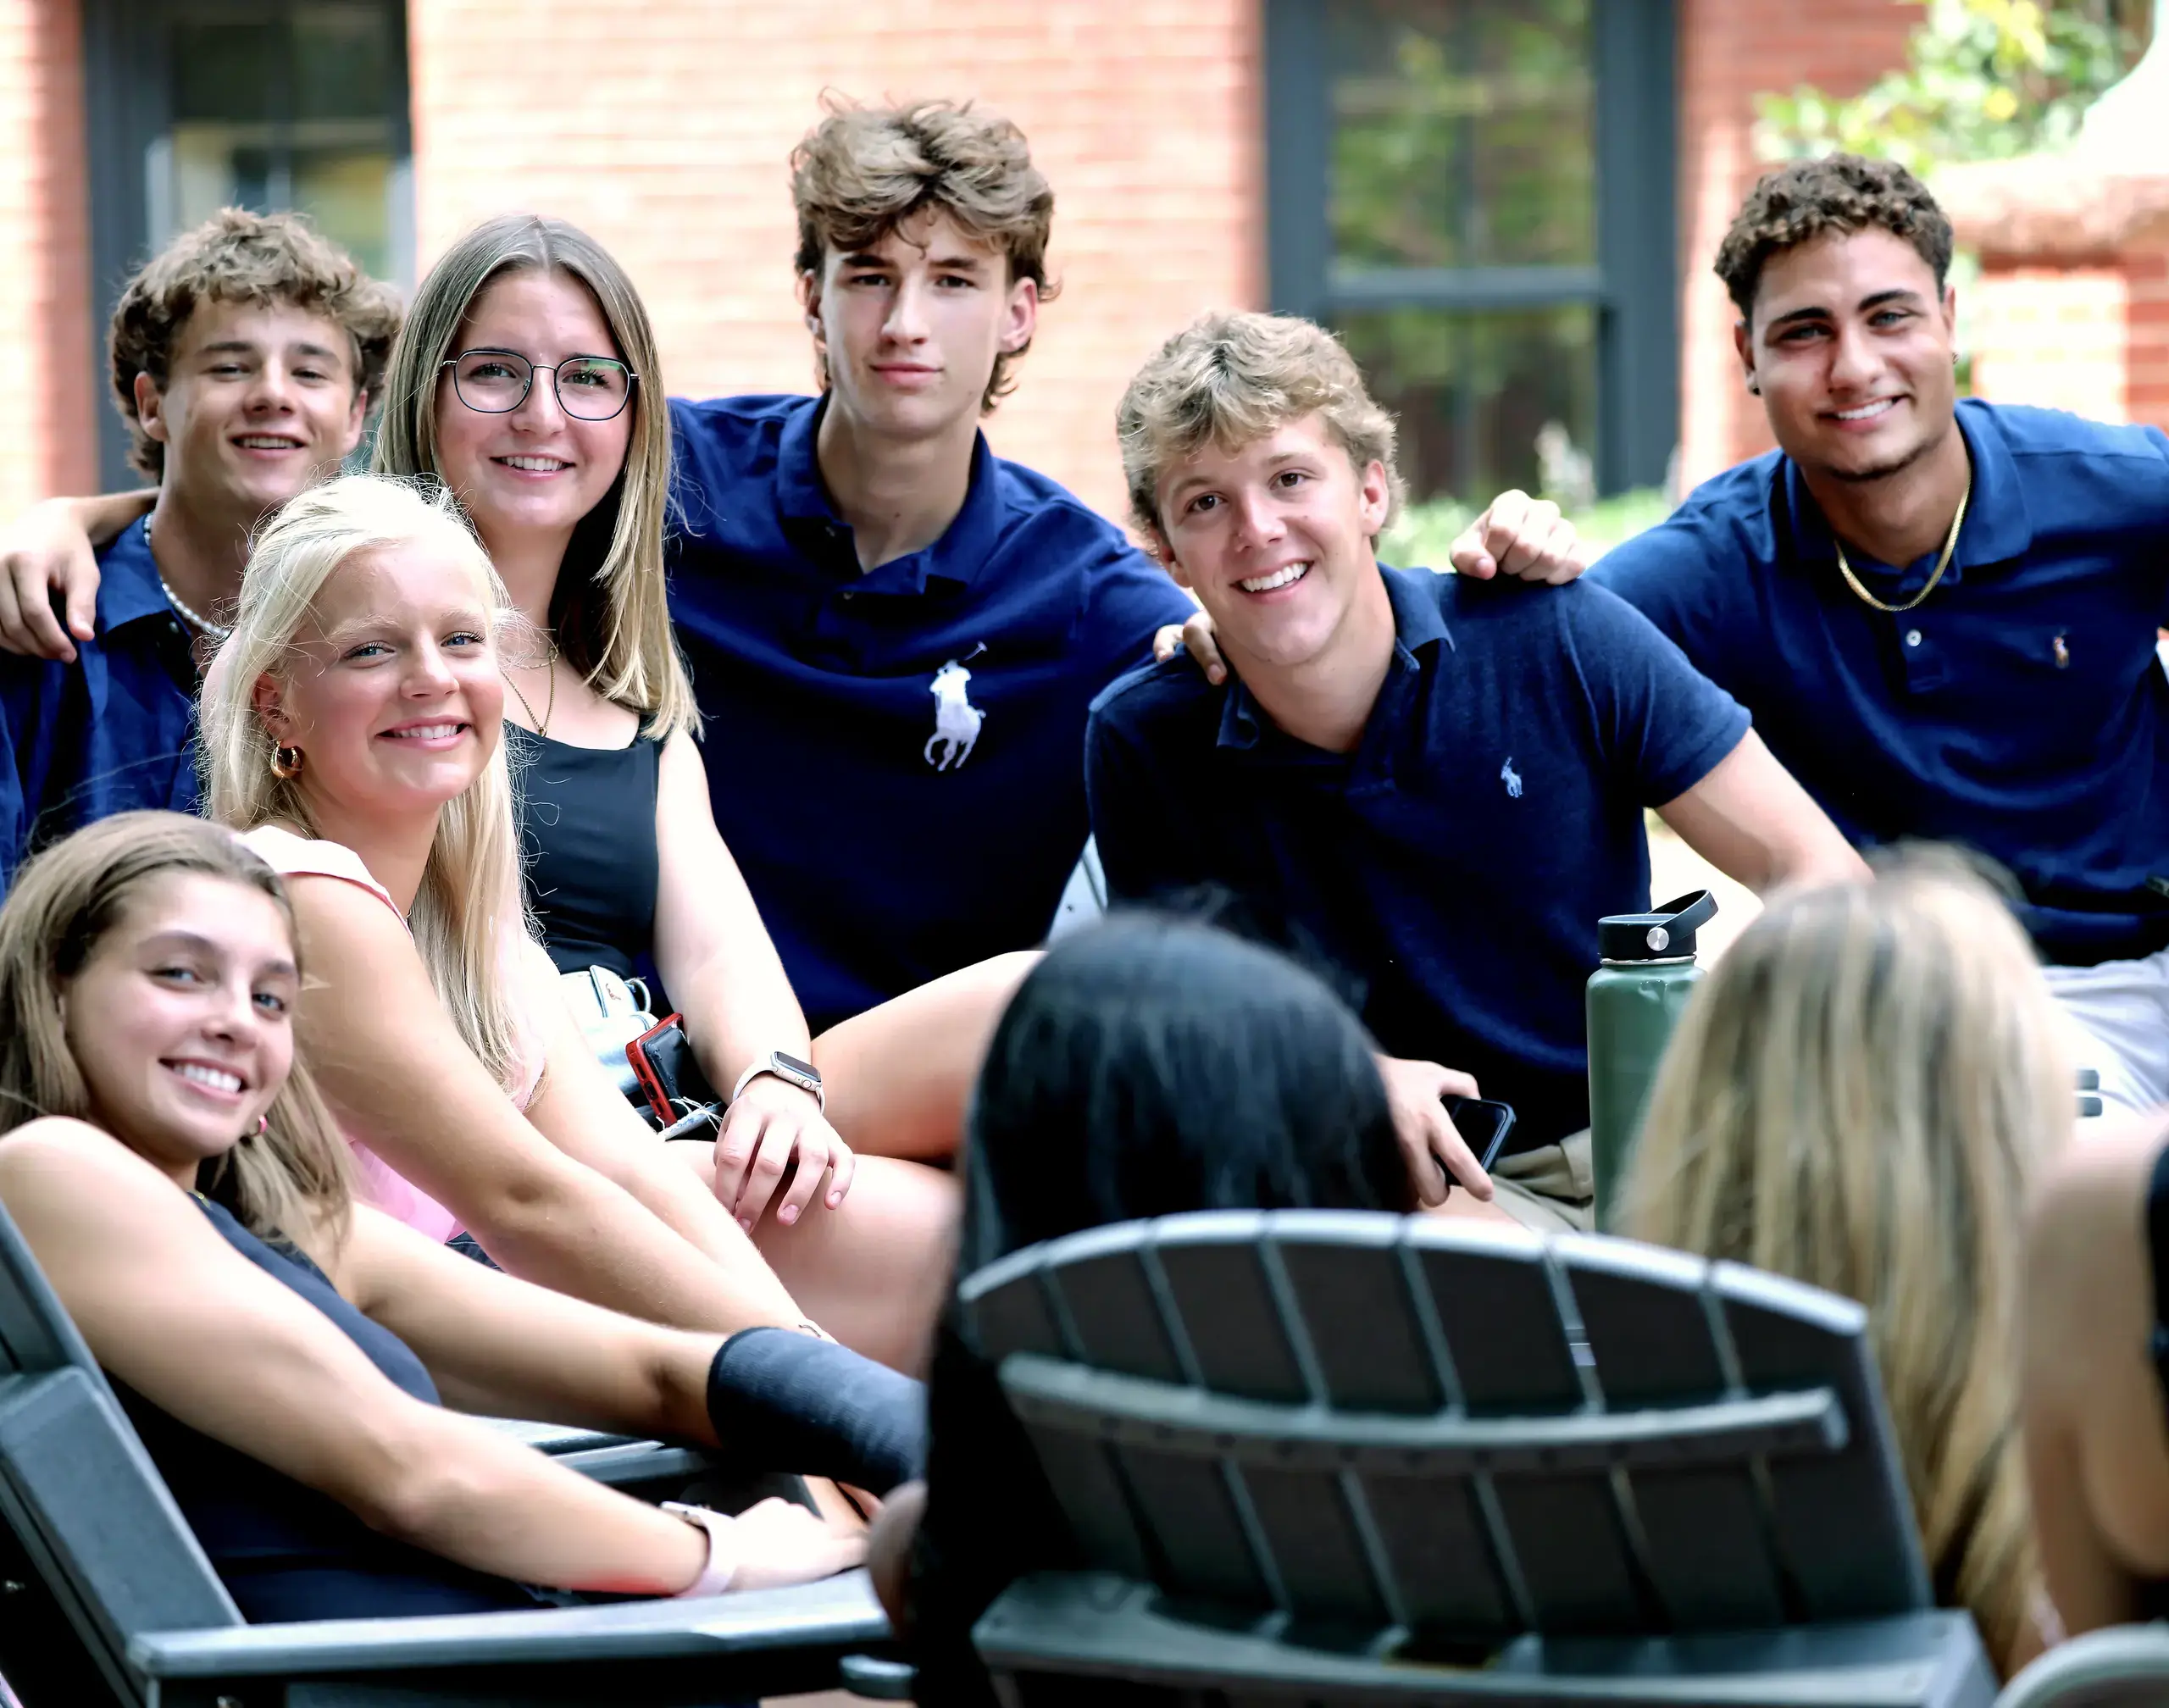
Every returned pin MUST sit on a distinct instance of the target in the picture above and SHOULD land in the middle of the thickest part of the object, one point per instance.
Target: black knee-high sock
(789, 1402)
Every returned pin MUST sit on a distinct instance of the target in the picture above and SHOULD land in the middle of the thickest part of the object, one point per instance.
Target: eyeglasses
(496, 382)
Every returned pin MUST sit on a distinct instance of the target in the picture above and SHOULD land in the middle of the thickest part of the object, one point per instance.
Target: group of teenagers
(331, 794)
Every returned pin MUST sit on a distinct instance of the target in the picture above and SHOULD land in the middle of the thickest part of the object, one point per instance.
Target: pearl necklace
(194, 617)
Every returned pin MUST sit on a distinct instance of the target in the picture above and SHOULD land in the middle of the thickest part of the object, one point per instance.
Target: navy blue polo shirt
(1452, 869)
(2020, 710)
(112, 731)
(893, 755)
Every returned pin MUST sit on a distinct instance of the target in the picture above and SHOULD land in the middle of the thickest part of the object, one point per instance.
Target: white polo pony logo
(956, 720)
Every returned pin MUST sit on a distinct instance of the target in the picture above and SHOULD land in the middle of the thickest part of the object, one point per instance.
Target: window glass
(1463, 133)
(297, 108)
(1486, 401)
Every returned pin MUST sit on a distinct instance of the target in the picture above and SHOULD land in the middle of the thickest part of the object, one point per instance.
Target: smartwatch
(789, 1069)
(723, 1550)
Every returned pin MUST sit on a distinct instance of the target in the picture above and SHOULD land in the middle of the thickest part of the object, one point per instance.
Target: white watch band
(722, 1550)
(767, 1064)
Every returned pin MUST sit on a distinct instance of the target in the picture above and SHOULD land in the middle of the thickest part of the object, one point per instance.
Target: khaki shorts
(1549, 1189)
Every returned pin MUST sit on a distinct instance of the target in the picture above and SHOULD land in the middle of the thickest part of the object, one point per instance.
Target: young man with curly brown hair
(245, 357)
(1941, 612)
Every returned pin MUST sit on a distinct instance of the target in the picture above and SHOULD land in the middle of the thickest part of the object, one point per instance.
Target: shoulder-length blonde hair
(610, 612)
(469, 920)
(1856, 1097)
(288, 1182)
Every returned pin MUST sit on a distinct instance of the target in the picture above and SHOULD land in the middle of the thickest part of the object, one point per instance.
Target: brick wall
(45, 314)
(2053, 336)
(1729, 53)
(666, 127)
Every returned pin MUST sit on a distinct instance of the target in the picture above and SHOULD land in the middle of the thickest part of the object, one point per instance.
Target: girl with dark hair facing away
(282, 1349)
(1149, 1066)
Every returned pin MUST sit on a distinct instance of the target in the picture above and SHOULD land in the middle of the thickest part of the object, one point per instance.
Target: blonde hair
(1230, 378)
(864, 171)
(1856, 1097)
(287, 1182)
(469, 920)
(611, 611)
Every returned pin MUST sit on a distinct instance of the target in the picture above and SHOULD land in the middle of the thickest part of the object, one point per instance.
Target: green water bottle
(1636, 996)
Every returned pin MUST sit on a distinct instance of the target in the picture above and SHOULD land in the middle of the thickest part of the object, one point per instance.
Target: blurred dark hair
(1150, 1065)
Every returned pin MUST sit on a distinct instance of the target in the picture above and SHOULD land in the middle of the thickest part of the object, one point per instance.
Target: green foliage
(1462, 140)
(1985, 79)
(1422, 535)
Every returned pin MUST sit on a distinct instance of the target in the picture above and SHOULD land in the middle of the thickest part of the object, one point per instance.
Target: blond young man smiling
(1434, 783)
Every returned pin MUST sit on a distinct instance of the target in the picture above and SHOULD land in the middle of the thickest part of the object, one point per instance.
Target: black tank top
(284, 1551)
(587, 836)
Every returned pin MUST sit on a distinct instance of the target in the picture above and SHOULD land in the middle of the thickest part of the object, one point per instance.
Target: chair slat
(1706, 1534)
(1195, 1529)
(1500, 1319)
(1105, 1293)
(1317, 1547)
(1015, 1316)
(1346, 1275)
(1438, 1548)
(1843, 1523)
(1089, 1486)
(1216, 1281)
(1573, 1554)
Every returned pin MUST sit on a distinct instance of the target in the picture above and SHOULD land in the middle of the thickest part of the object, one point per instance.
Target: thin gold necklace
(549, 705)
(1942, 563)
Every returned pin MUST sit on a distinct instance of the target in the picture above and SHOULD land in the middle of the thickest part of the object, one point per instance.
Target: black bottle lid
(1666, 935)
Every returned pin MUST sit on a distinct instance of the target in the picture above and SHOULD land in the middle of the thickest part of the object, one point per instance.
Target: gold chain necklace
(549, 705)
(1942, 563)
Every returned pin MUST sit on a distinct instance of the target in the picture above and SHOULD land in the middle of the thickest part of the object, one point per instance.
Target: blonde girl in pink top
(356, 712)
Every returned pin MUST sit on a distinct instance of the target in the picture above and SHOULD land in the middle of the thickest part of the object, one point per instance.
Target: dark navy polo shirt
(896, 817)
(2020, 710)
(1453, 869)
(112, 731)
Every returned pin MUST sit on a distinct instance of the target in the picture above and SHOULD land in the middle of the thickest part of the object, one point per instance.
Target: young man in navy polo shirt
(1941, 614)
(1437, 783)
(244, 358)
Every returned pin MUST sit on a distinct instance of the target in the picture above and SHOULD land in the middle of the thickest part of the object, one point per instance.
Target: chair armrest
(838, 1613)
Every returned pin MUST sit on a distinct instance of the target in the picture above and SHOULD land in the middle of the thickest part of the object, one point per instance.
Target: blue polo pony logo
(957, 721)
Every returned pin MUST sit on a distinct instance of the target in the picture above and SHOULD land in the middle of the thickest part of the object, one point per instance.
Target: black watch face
(798, 1067)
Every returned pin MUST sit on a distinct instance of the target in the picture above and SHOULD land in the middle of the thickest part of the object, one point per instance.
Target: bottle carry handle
(1684, 915)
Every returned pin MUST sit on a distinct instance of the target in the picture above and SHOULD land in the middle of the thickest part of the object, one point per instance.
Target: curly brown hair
(261, 259)
(864, 171)
(1838, 192)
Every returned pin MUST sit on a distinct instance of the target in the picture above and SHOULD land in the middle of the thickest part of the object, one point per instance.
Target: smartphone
(1483, 1125)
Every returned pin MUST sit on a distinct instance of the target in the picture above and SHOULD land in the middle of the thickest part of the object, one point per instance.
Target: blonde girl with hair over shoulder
(280, 1348)
(1857, 1097)
(351, 730)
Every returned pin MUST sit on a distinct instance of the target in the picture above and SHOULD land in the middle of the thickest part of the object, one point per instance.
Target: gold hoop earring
(285, 763)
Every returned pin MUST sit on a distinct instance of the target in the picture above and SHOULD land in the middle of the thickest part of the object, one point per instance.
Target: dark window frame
(1634, 286)
(128, 109)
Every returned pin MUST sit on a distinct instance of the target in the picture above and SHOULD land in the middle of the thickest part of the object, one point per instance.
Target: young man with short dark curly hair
(245, 357)
(1941, 613)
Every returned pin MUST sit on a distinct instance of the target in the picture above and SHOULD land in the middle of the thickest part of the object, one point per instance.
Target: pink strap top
(382, 1185)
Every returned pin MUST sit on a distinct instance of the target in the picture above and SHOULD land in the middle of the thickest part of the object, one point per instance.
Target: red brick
(1729, 53)
(45, 290)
